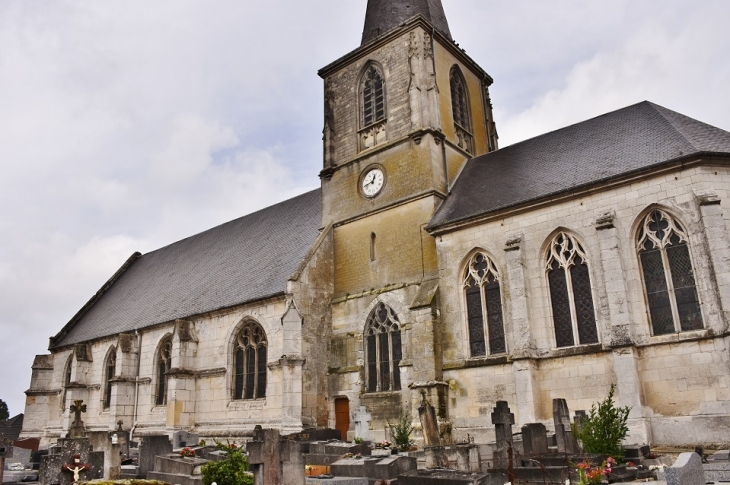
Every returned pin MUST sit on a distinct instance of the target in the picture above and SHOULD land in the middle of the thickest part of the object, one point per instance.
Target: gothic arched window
(372, 96)
(163, 363)
(460, 110)
(571, 297)
(249, 362)
(669, 279)
(484, 306)
(383, 349)
(109, 371)
(66, 380)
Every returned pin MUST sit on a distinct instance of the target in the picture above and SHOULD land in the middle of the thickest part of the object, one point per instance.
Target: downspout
(136, 384)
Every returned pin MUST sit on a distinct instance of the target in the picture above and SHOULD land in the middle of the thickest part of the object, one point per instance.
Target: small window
(372, 246)
(571, 296)
(372, 96)
(669, 279)
(484, 307)
(164, 361)
(109, 372)
(249, 362)
(383, 349)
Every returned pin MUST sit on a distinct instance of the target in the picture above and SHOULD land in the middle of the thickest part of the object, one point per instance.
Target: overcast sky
(125, 126)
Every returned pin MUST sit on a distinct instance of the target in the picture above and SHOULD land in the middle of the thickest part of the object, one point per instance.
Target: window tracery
(109, 372)
(383, 349)
(571, 297)
(249, 362)
(669, 280)
(460, 110)
(66, 381)
(372, 107)
(164, 362)
(484, 307)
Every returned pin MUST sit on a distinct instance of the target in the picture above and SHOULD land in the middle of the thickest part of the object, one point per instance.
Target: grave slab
(337, 481)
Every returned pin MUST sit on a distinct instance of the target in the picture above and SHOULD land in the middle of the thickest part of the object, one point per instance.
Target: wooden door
(342, 416)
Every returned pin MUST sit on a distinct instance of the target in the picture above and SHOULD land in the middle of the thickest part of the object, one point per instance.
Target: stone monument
(503, 419)
(362, 423)
(77, 428)
(563, 431)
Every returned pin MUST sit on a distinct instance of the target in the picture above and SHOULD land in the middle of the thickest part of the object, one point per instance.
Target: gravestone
(720, 455)
(534, 439)
(429, 423)
(503, 420)
(22, 455)
(149, 448)
(181, 439)
(273, 460)
(687, 470)
(77, 428)
(51, 465)
(578, 420)
(362, 423)
(468, 458)
(103, 441)
(563, 431)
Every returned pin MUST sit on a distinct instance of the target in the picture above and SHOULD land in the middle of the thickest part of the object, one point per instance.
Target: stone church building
(429, 261)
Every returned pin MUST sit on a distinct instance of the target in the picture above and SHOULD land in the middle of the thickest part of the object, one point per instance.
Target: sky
(126, 126)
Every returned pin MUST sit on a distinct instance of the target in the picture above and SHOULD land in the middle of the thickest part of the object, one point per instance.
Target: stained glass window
(669, 280)
(484, 307)
(571, 297)
(249, 362)
(110, 369)
(383, 349)
(164, 359)
(459, 100)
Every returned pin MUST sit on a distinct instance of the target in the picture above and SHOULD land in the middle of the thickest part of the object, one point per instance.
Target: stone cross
(77, 426)
(76, 466)
(362, 423)
(503, 420)
(563, 431)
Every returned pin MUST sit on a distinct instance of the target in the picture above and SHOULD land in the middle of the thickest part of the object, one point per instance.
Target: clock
(372, 183)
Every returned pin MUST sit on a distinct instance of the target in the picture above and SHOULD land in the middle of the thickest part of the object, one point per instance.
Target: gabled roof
(11, 428)
(248, 259)
(385, 15)
(613, 145)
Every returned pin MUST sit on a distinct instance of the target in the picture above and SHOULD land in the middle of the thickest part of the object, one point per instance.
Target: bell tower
(403, 112)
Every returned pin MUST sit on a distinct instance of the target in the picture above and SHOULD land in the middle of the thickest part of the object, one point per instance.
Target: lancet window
(571, 297)
(372, 96)
(383, 349)
(66, 380)
(484, 307)
(460, 110)
(669, 279)
(164, 361)
(249, 362)
(109, 372)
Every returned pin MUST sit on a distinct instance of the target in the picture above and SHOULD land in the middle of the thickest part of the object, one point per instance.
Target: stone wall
(666, 378)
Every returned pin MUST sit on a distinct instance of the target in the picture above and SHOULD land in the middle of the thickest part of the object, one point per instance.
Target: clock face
(373, 182)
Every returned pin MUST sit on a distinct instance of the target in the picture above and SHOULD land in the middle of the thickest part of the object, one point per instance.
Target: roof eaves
(53, 341)
(446, 226)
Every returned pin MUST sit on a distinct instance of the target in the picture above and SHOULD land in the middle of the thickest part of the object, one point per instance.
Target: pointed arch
(481, 283)
(372, 95)
(66, 380)
(383, 349)
(665, 261)
(163, 363)
(110, 366)
(460, 109)
(250, 357)
(571, 293)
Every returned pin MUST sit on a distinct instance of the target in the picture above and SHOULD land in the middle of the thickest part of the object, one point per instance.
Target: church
(429, 263)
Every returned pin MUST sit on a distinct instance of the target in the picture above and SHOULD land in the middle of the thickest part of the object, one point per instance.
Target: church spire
(384, 15)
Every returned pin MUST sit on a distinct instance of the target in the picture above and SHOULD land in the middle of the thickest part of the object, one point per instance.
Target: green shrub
(605, 428)
(229, 471)
(400, 432)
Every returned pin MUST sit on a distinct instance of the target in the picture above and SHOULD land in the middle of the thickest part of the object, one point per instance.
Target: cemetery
(532, 455)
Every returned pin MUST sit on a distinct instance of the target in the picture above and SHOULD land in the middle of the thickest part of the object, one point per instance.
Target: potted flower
(187, 452)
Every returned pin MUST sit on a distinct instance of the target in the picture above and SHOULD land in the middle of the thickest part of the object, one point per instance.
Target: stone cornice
(42, 392)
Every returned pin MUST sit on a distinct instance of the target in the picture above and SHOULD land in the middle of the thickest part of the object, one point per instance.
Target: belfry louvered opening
(372, 96)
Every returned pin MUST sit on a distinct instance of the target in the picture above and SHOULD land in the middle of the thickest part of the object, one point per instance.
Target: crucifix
(76, 467)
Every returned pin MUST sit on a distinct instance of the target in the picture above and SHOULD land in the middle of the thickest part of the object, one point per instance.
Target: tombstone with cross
(563, 430)
(76, 467)
(362, 423)
(77, 428)
(503, 419)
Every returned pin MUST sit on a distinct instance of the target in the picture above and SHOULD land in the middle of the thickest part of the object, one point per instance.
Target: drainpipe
(136, 384)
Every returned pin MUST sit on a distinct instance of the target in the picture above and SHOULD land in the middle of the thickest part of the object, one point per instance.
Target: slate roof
(385, 15)
(616, 144)
(244, 260)
(11, 428)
